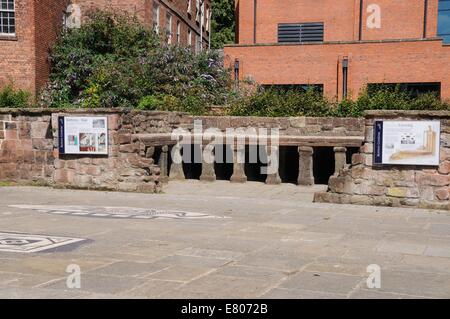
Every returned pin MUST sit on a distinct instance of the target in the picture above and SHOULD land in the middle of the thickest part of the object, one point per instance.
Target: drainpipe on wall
(344, 78)
(425, 18)
(255, 6)
(236, 74)
(361, 4)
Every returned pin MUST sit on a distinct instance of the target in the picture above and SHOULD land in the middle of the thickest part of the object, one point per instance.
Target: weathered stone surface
(443, 193)
(444, 167)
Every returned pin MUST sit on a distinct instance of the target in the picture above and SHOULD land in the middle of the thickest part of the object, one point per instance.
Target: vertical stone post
(164, 164)
(238, 164)
(176, 169)
(340, 159)
(208, 173)
(305, 171)
(273, 158)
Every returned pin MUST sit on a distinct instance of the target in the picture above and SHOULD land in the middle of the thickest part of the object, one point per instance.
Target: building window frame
(189, 38)
(156, 17)
(189, 7)
(7, 18)
(178, 31)
(169, 28)
(444, 11)
(197, 10)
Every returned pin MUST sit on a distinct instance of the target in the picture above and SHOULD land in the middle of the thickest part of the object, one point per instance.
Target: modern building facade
(28, 28)
(343, 46)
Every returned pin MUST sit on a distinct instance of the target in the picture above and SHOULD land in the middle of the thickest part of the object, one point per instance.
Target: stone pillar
(305, 171)
(340, 159)
(238, 165)
(208, 173)
(164, 164)
(273, 159)
(176, 169)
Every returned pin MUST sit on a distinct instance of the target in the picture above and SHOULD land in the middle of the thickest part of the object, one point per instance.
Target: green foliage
(9, 97)
(222, 23)
(115, 61)
(273, 102)
(311, 103)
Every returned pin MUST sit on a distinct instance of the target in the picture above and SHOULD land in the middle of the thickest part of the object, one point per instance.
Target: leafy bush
(273, 102)
(115, 61)
(9, 97)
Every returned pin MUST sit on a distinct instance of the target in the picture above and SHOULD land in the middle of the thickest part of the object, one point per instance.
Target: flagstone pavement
(216, 240)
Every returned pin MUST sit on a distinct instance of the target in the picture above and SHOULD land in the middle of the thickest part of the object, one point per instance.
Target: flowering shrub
(115, 61)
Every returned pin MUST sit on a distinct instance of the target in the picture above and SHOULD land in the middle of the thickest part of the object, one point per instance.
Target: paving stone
(402, 248)
(154, 288)
(416, 283)
(227, 286)
(325, 282)
(181, 273)
(281, 293)
(100, 284)
(127, 268)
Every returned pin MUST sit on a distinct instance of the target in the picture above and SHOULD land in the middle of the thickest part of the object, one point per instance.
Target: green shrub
(9, 97)
(272, 102)
(115, 61)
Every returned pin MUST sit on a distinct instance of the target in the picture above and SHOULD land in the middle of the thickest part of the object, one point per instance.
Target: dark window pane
(444, 5)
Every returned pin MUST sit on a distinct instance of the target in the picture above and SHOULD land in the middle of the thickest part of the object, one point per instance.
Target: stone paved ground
(275, 243)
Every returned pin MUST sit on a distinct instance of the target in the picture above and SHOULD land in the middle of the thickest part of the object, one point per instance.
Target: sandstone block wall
(26, 147)
(410, 186)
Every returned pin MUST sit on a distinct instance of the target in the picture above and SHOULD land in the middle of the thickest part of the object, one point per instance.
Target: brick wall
(26, 147)
(48, 23)
(369, 62)
(17, 62)
(408, 186)
(399, 19)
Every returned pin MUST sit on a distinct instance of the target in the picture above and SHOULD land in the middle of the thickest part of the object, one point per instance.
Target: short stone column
(176, 169)
(164, 164)
(208, 173)
(305, 171)
(273, 160)
(340, 159)
(238, 165)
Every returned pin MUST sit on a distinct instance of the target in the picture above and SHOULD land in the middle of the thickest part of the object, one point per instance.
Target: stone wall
(123, 169)
(26, 147)
(409, 186)
(29, 145)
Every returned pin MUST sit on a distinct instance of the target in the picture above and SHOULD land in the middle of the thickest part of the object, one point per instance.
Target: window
(208, 16)
(300, 32)
(156, 17)
(178, 31)
(202, 14)
(189, 6)
(413, 89)
(444, 20)
(169, 28)
(189, 39)
(7, 17)
(293, 87)
(197, 11)
(198, 43)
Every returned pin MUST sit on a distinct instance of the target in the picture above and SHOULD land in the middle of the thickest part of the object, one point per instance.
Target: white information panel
(83, 135)
(407, 142)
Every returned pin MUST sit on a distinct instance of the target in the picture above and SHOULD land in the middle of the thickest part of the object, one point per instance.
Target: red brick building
(29, 27)
(342, 46)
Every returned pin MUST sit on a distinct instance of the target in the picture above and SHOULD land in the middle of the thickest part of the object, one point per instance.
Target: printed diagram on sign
(427, 148)
(407, 142)
(83, 135)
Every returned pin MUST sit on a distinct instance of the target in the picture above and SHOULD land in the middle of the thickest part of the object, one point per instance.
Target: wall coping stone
(402, 113)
